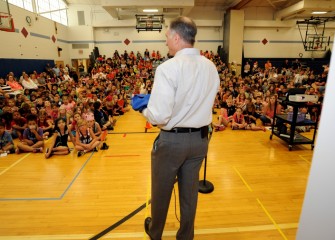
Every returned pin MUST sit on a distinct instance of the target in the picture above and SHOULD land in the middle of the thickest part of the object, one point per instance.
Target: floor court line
(272, 220)
(303, 158)
(14, 164)
(262, 206)
(51, 198)
(241, 229)
(243, 180)
(18, 161)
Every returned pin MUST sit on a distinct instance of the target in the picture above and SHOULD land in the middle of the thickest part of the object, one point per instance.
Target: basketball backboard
(312, 32)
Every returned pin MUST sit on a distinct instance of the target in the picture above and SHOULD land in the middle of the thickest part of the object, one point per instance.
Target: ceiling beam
(147, 3)
(305, 6)
(239, 5)
(289, 11)
(112, 11)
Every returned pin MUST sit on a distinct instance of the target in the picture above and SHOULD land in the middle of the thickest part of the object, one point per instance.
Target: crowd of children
(243, 100)
(60, 105)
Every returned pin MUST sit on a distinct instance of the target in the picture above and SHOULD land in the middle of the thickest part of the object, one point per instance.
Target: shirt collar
(188, 51)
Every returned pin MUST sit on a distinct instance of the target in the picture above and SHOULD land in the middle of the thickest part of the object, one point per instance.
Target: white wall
(284, 39)
(109, 34)
(15, 45)
(110, 39)
(283, 42)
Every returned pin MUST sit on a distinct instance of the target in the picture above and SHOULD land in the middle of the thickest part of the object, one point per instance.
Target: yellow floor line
(130, 235)
(304, 159)
(272, 220)
(276, 226)
(15, 163)
(243, 180)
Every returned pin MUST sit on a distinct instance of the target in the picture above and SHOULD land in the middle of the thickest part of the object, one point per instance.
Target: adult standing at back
(181, 104)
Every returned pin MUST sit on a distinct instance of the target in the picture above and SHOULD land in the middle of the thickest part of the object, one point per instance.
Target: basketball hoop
(313, 37)
(6, 23)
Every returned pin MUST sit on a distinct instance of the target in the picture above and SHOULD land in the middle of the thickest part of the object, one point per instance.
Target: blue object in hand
(140, 102)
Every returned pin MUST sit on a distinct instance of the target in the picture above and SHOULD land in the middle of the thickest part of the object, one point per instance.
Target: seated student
(33, 111)
(45, 124)
(62, 114)
(101, 117)
(226, 115)
(54, 112)
(92, 124)
(69, 106)
(238, 121)
(73, 126)
(269, 111)
(6, 141)
(258, 106)
(86, 141)
(250, 116)
(19, 124)
(59, 139)
(32, 137)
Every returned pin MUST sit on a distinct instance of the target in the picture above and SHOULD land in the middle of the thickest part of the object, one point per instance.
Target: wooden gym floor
(259, 189)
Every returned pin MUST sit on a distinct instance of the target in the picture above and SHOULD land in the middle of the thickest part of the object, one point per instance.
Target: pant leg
(166, 157)
(265, 119)
(188, 183)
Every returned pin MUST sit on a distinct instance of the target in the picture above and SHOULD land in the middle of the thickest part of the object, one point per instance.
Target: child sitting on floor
(86, 141)
(92, 124)
(32, 137)
(238, 120)
(59, 139)
(6, 141)
(250, 116)
(226, 115)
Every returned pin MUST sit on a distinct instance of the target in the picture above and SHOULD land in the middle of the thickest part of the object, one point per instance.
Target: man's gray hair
(185, 27)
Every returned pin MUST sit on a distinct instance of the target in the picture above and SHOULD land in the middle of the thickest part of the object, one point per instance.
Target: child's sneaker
(104, 146)
(80, 153)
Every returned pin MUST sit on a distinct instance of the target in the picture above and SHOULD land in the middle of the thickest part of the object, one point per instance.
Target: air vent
(171, 10)
(80, 46)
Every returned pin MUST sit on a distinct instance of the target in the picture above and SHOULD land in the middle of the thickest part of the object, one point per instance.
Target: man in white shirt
(181, 103)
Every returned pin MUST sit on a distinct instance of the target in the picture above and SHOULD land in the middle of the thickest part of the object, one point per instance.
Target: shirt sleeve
(161, 102)
(40, 132)
(9, 138)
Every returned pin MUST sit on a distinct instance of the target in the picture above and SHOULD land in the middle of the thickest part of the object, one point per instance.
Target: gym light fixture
(150, 10)
(319, 12)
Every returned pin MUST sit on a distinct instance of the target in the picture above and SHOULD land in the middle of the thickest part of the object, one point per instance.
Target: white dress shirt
(183, 93)
(29, 84)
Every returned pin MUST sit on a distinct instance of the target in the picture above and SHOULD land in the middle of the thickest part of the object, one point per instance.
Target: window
(52, 9)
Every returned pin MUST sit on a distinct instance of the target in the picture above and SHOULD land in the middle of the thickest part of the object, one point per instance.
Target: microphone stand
(204, 185)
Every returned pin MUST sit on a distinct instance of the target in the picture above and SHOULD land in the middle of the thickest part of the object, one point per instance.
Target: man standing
(181, 104)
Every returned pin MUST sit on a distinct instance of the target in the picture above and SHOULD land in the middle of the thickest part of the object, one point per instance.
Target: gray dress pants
(176, 155)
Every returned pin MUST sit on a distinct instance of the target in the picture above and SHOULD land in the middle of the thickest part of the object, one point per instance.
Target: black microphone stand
(204, 185)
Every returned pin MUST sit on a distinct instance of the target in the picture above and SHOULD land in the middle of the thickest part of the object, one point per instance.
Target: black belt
(183, 130)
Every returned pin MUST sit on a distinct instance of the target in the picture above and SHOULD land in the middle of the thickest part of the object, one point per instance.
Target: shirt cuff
(144, 112)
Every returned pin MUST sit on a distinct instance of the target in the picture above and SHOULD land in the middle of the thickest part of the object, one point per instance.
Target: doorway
(77, 62)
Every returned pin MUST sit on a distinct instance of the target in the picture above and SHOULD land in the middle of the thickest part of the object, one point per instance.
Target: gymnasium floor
(259, 189)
